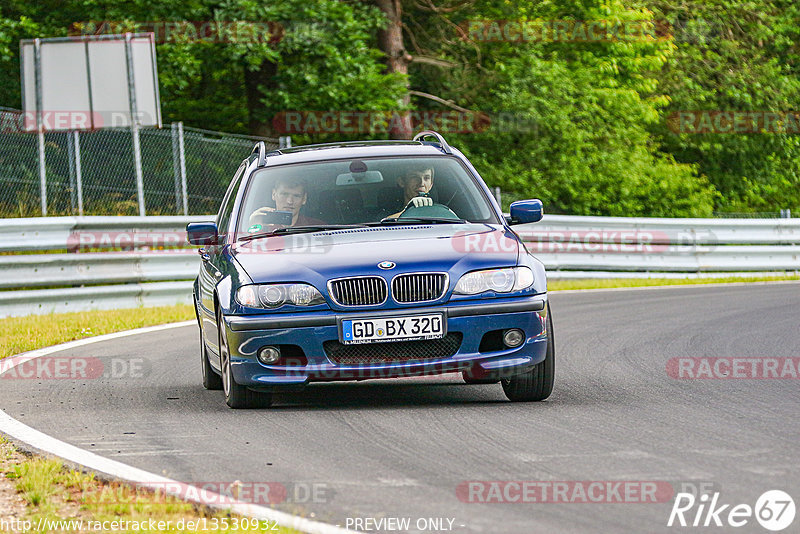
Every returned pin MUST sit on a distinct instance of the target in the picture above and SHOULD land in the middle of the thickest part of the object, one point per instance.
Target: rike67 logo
(774, 510)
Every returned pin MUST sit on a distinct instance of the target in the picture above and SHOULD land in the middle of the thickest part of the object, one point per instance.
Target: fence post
(72, 185)
(137, 162)
(78, 171)
(786, 214)
(42, 174)
(37, 59)
(285, 141)
(179, 168)
(137, 147)
(497, 196)
(176, 173)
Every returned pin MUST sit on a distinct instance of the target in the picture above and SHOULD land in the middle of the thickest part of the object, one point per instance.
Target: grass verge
(50, 498)
(605, 283)
(21, 334)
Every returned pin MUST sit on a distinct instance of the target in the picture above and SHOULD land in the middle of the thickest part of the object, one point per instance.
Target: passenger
(288, 195)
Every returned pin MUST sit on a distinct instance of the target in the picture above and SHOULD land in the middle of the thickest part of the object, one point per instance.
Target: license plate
(404, 328)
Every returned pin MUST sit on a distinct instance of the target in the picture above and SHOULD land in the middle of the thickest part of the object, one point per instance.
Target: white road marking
(75, 455)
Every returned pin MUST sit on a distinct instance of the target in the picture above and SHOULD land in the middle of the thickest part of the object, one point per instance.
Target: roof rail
(261, 150)
(422, 135)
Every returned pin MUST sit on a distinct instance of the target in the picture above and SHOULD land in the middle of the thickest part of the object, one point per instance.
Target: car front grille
(358, 291)
(418, 287)
(393, 351)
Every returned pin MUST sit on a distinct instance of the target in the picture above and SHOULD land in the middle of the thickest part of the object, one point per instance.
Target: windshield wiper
(421, 220)
(288, 230)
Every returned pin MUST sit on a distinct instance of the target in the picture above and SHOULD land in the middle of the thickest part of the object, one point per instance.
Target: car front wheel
(211, 380)
(236, 395)
(537, 383)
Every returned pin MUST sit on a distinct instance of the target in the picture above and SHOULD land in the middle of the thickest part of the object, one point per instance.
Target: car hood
(321, 256)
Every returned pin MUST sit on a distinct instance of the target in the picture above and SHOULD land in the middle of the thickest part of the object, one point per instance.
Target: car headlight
(497, 280)
(276, 295)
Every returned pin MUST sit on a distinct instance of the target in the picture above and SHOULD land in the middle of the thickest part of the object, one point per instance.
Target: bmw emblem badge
(386, 265)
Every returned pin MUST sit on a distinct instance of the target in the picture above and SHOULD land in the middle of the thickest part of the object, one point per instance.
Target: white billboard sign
(90, 82)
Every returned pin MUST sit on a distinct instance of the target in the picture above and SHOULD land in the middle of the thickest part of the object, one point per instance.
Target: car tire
(537, 383)
(211, 380)
(236, 395)
(470, 380)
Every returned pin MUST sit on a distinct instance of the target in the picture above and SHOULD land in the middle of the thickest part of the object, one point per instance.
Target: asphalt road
(400, 448)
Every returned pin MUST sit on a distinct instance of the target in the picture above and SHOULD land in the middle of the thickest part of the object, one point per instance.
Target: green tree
(323, 57)
(736, 56)
(573, 116)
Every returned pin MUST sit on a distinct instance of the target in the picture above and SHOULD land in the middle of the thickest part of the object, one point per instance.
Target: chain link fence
(185, 170)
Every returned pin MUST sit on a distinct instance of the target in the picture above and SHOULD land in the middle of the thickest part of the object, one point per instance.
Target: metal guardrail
(674, 232)
(62, 233)
(157, 266)
(732, 258)
(72, 299)
(156, 269)
(48, 270)
(625, 245)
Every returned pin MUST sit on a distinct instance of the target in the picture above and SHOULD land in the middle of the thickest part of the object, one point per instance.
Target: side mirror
(526, 211)
(202, 233)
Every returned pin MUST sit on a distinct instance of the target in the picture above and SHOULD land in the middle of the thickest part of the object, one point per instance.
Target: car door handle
(206, 257)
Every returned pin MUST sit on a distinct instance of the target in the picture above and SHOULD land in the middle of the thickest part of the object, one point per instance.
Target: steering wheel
(436, 211)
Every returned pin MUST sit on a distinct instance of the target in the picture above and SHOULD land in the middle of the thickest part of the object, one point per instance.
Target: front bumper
(246, 335)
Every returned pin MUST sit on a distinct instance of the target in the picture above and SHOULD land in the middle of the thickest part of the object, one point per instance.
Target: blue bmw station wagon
(366, 260)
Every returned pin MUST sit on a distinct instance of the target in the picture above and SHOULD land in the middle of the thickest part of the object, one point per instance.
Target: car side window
(224, 217)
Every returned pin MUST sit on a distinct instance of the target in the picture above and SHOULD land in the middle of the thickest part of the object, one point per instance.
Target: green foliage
(587, 108)
(736, 56)
(324, 60)
(11, 31)
(582, 125)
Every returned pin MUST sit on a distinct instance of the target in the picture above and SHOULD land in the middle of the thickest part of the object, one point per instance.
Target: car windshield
(315, 196)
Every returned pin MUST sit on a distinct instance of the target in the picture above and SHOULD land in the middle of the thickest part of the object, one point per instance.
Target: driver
(416, 185)
(289, 195)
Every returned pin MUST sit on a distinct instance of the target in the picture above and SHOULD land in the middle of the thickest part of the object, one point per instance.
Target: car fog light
(269, 355)
(513, 338)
